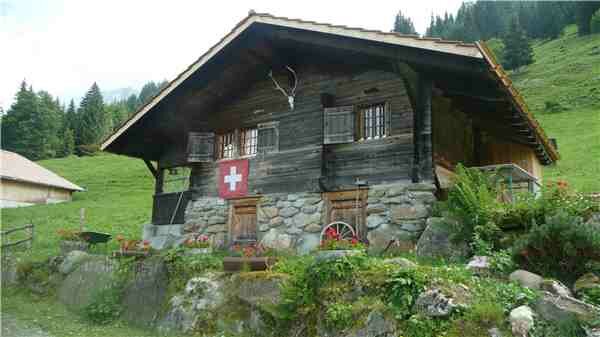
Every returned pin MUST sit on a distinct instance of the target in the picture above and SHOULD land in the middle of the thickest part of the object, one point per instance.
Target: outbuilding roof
(18, 168)
(478, 52)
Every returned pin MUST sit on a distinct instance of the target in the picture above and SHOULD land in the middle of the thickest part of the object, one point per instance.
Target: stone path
(12, 327)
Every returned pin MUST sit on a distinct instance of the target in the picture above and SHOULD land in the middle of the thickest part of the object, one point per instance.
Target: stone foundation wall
(294, 221)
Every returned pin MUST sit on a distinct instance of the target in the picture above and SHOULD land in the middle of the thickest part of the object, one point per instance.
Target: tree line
(39, 126)
(510, 23)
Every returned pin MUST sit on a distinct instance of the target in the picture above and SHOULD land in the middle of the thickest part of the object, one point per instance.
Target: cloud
(63, 46)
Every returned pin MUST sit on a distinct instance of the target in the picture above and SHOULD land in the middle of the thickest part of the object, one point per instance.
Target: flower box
(67, 246)
(334, 254)
(233, 263)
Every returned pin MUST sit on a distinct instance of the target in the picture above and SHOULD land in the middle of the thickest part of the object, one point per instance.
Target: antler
(295, 80)
(277, 86)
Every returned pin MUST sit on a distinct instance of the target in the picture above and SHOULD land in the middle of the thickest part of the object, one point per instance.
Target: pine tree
(404, 24)
(68, 143)
(94, 123)
(148, 91)
(17, 123)
(517, 50)
(46, 125)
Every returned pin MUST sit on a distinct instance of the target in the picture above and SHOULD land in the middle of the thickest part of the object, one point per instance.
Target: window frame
(253, 131)
(238, 139)
(381, 123)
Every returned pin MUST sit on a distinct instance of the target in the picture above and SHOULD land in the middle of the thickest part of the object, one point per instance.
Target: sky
(63, 46)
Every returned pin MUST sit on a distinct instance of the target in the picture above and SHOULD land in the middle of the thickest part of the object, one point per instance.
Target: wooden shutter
(339, 125)
(201, 147)
(268, 137)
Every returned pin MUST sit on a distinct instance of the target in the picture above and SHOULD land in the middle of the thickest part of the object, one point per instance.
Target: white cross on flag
(233, 178)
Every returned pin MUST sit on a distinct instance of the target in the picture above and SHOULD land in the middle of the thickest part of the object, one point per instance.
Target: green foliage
(497, 47)
(562, 248)
(517, 51)
(595, 23)
(423, 326)
(105, 306)
(95, 122)
(559, 328)
(501, 262)
(404, 24)
(182, 267)
(477, 321)
(507, 295)
(591, 295)
(403, 288)
(339, 315)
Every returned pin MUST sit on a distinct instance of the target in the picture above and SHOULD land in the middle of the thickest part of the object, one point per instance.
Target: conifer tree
(517, 50)
(17, 122)
(404, 24)
(94, 122)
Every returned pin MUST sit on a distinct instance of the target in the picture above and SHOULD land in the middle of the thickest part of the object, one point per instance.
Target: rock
(380, 237)
(269, 212)
(494, 332)
(377, 325)
(479, 265)
(163, 242)
(146, 294)
(277, 240)
(433, 303)
(72, 260)
(401, 261)
(303, 219)
(84, 283)
(592, 332)
(521, 321)
(406, 212)
(292, 197)
(309, 209)
(311, 201)
(176, 230)
(401, 199)
(413, 225)
(313, 228)
(435, 241)
(424, 187)
(373, 221)
(259, 289)
(9, 270)
(560, 308)
(195, 308)
(556, 288)
(288, 212)
(526, 279)
(587, 281)
(426, 197)
(276, 221)
(216, 220)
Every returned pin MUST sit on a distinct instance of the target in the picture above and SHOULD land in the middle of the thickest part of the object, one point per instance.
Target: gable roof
(18, 168)
(478, 52)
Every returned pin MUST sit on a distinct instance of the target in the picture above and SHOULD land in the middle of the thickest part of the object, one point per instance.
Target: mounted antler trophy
(292, 93)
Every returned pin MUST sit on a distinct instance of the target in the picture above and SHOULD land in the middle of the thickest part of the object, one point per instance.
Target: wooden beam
(151, 168)
(423, 168)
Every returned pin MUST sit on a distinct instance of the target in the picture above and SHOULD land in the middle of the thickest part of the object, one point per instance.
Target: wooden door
(242, 225)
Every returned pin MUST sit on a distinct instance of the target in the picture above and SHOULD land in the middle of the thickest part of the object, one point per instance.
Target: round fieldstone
(288, 212)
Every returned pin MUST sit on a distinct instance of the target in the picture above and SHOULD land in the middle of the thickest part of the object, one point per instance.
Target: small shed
(25, 183)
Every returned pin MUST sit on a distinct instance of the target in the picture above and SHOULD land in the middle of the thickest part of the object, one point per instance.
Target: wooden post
(423, 168)
(158, 185)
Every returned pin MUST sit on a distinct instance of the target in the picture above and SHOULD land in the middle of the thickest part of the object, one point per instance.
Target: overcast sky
(63, 46)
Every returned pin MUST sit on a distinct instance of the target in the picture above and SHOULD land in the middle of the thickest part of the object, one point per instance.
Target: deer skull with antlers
(292, 93)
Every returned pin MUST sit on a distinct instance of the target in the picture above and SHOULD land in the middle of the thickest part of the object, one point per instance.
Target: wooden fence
(29, 229)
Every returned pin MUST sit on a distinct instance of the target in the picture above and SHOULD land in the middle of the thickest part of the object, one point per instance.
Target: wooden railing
(29, 229)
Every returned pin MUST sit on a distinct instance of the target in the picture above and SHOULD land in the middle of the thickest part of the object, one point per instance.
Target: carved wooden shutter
(201, 147)
(268, 137)
(339, 125)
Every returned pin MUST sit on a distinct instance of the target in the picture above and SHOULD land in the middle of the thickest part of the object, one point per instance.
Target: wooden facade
(369, 106)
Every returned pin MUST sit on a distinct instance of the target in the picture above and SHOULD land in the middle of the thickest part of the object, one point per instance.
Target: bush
(105, 307)
(478, 320)
(403, 288)
(564, 248)
(87, 150)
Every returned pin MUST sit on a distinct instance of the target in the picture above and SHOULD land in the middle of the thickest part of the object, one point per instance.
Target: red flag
(233, 178)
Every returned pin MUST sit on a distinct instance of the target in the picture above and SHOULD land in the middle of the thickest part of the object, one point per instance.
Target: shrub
(88, 150)
(477, 321)
(403, 288)
(339, 315)
(564, 247)
(105, 306)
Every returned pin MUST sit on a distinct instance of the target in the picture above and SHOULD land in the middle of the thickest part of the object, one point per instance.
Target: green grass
(117, 200)
(567, 71)
(51, 316)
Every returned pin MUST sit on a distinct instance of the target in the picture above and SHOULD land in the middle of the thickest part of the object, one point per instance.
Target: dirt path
(12, 327)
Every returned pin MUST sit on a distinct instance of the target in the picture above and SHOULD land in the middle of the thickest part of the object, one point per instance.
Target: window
(268, 137)
(226, 145)
(374, 121)
(248, 141)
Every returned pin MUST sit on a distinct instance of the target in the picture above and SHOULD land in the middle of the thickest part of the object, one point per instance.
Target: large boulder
(521, 321)
(277, 239)
(376, 325)
(526, 279)
(435, 242)
(195, 307)
(83, 284)
(258, 289)
(561, 308)
(73, 259)
(380, 237)
(556, 288)
(145, 294)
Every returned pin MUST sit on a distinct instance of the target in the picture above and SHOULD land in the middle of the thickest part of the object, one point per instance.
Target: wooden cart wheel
(345, 231)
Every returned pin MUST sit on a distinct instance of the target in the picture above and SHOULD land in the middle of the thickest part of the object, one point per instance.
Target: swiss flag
(233, 178)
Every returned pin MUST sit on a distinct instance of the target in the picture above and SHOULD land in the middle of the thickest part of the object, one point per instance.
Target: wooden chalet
(287, 125)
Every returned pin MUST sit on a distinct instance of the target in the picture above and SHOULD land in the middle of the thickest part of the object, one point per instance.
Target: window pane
(225, 145)
(374, 121)
(248, 141)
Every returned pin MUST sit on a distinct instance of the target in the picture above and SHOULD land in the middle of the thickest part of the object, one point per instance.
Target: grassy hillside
(566, 76)
(118, 199)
